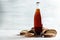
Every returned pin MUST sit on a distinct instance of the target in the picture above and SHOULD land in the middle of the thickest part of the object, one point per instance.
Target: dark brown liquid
(37, 22)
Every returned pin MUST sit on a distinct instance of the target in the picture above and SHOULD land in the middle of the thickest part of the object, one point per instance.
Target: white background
(19, 14)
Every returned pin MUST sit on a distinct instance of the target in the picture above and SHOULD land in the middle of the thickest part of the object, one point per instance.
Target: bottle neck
(37, 5)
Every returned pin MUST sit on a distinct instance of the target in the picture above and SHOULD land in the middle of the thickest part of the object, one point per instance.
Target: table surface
(13, 35)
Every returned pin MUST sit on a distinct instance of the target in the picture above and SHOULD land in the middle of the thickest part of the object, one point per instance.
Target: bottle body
(37, 22)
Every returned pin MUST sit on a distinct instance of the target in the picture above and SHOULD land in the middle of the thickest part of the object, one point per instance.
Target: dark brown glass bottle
(37, 21)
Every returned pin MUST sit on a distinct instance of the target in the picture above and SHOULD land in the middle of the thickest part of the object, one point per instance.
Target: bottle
(37, 21)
